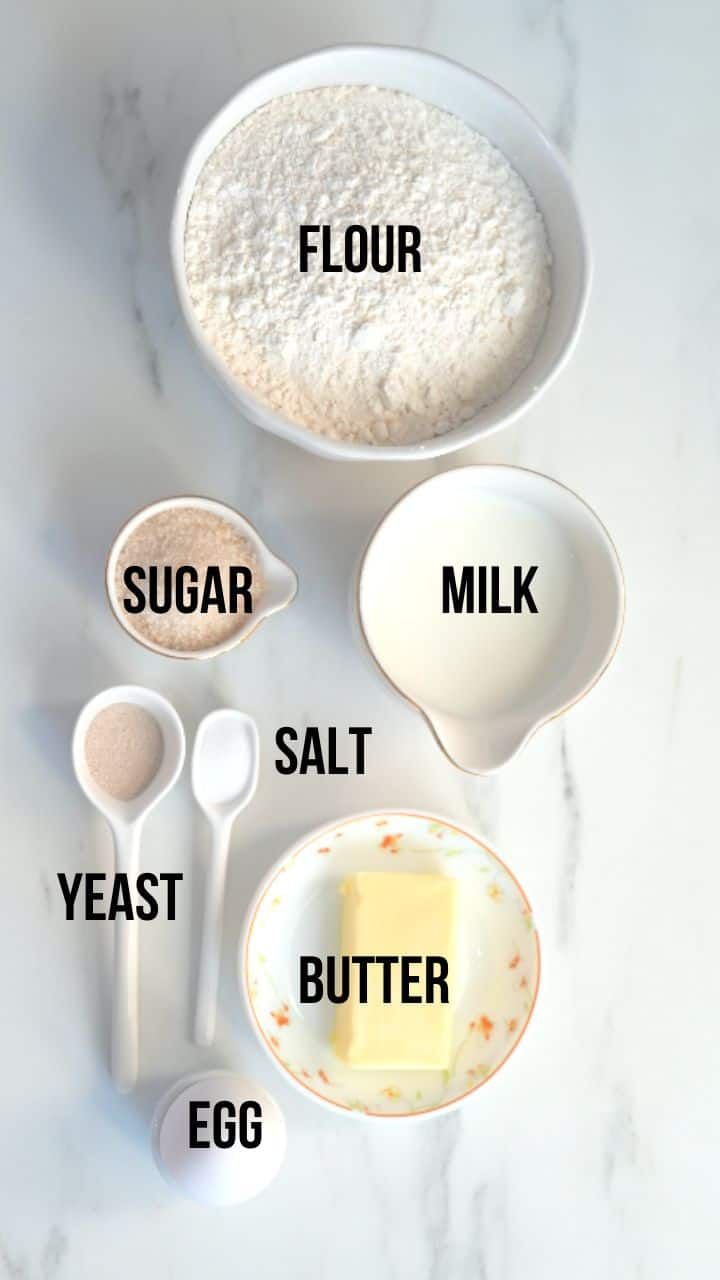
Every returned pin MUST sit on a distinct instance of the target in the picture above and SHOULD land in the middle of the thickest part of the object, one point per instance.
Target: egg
(218, 1138)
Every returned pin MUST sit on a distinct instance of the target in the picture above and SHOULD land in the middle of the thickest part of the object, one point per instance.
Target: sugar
(187, 536)
(123, 750)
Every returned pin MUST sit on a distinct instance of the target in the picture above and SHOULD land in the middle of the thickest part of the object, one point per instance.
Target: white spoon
(126, 818)
(224, 777)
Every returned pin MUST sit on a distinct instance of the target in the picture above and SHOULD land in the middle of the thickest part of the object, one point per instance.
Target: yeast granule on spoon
(123, 750)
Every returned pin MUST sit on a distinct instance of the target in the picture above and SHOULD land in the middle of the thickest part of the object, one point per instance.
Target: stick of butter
(399, 915)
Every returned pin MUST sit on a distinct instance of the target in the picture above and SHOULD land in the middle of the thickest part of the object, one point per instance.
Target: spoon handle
(124, 1054)
(211, 941)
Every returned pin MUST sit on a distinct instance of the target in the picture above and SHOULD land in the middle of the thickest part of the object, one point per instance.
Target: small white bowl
(486, 108)
(296, 910)
(280, 581)
(586, 624)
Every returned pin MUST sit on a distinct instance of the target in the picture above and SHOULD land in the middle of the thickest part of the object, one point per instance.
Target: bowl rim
(261, 415)
(613, 558)
(226, 512)
(277, 868)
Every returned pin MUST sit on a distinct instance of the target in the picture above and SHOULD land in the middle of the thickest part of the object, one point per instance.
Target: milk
(469, 664)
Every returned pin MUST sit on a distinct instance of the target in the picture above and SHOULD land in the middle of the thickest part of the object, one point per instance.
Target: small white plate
(297, 911)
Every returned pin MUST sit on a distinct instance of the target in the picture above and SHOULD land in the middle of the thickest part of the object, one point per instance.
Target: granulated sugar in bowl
(191, 578)
(379, 253)
(197, 538)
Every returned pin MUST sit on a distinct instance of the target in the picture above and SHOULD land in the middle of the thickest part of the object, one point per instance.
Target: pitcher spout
(478, 746)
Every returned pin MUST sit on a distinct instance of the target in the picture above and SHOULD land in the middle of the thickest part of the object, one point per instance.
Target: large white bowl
(494, 113)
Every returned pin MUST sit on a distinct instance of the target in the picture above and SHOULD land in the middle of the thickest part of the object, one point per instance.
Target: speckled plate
(297, 911)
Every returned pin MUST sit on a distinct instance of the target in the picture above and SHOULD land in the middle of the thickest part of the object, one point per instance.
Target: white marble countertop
(596, 1155)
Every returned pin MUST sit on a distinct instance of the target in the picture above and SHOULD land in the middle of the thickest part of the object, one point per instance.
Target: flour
(379, 358)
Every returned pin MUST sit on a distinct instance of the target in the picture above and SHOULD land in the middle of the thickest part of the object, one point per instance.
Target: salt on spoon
(128, 749)
(224, 777)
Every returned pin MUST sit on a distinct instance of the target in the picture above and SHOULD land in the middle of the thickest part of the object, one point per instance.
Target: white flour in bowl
(382, 358)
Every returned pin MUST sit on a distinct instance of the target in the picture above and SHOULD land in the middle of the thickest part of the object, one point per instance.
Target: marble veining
(621, 1143)
(573, 833)
(566, 120)
(127, 161)
(438, 1191)
(53, 1250)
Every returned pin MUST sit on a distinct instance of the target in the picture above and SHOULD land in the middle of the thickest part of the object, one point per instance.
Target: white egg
(218, 1174)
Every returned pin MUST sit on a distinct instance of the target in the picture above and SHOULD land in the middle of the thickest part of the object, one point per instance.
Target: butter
(397, 915)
